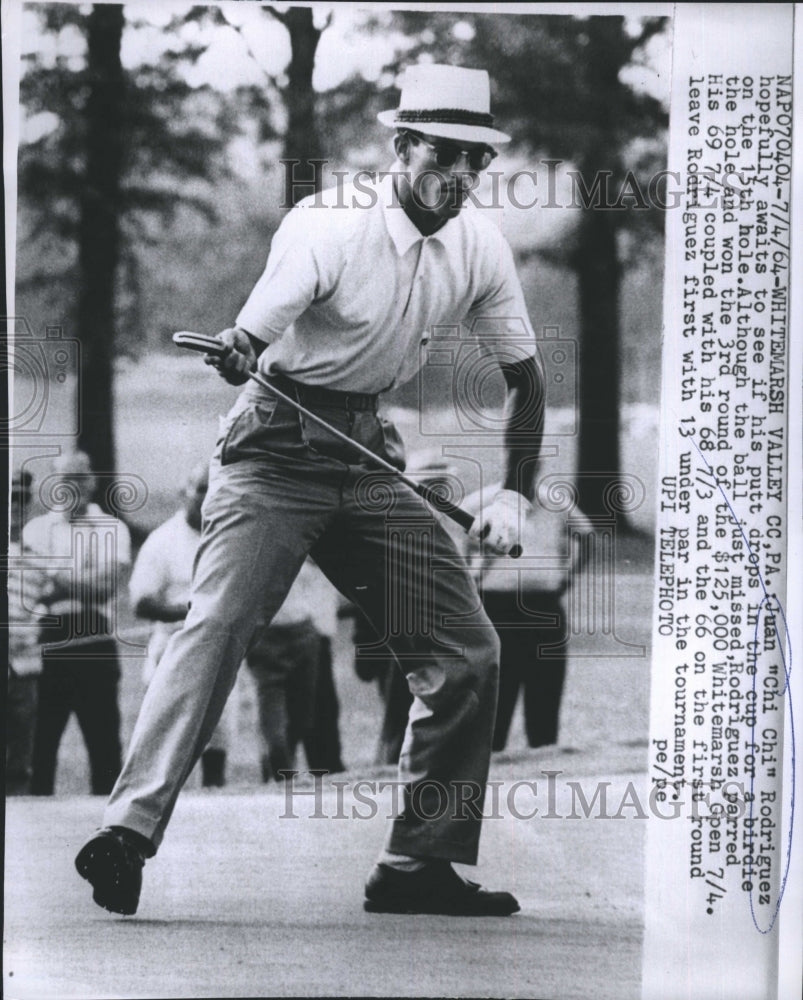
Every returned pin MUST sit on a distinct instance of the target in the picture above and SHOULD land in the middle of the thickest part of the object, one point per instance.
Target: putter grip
(200, 342)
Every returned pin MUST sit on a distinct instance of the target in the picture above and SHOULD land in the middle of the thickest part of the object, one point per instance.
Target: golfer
(357, 281)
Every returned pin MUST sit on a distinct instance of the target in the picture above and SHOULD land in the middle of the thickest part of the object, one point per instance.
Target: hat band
(447, 116)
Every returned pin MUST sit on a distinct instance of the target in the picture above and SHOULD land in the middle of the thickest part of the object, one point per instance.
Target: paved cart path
(243, 901)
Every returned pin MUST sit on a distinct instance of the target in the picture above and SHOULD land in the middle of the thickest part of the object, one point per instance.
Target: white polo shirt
(24, 587)
(352, 291)
(163, 567)
(84, 554)
(163, 572)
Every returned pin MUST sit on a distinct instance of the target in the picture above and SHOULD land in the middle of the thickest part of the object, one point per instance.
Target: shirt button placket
(416, 275)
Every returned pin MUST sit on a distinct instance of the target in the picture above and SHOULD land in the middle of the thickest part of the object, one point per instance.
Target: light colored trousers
(281, 488)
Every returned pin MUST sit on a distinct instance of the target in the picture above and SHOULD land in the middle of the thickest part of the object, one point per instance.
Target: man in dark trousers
(340, 314)
(88, 552)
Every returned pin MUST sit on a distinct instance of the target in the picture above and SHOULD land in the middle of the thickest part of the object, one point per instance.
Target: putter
(212, 346)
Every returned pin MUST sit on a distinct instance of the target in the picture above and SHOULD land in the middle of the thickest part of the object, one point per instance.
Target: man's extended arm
(499, 525)
(524, 424)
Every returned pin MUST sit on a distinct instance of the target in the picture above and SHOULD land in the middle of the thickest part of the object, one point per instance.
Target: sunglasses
(447, 153)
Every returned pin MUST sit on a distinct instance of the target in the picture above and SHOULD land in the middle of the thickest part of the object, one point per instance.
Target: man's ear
(401, 145)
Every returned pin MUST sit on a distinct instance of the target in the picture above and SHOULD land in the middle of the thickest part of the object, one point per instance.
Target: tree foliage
(294, 90)
(120, 149)
(172, 138)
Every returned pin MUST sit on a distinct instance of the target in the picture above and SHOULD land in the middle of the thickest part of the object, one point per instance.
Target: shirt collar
(400, 229)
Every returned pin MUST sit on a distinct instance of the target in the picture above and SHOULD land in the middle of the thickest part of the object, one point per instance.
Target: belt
(320, 395)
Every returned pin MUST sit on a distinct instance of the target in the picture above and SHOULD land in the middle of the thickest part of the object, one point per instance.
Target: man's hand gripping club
(240, 359)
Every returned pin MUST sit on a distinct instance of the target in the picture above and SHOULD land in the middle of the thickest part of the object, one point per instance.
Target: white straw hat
(451, 102)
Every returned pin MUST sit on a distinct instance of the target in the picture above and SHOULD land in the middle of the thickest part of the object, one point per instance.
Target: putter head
(200, 342)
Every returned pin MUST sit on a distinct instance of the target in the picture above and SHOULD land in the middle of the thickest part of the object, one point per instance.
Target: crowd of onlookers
(69, 566)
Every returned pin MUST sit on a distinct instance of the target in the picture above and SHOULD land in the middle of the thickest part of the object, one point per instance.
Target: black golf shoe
(112, 861)
(435, 888)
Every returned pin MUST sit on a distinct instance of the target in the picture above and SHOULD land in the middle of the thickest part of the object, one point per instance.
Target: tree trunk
(302, 140)
(599, 276)
(99, 234)
(598, 273)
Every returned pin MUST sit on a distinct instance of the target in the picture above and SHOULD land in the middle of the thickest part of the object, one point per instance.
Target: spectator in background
(86, 551)
(526, 601)
(24, 657)
(160, 591)
(285, 661)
